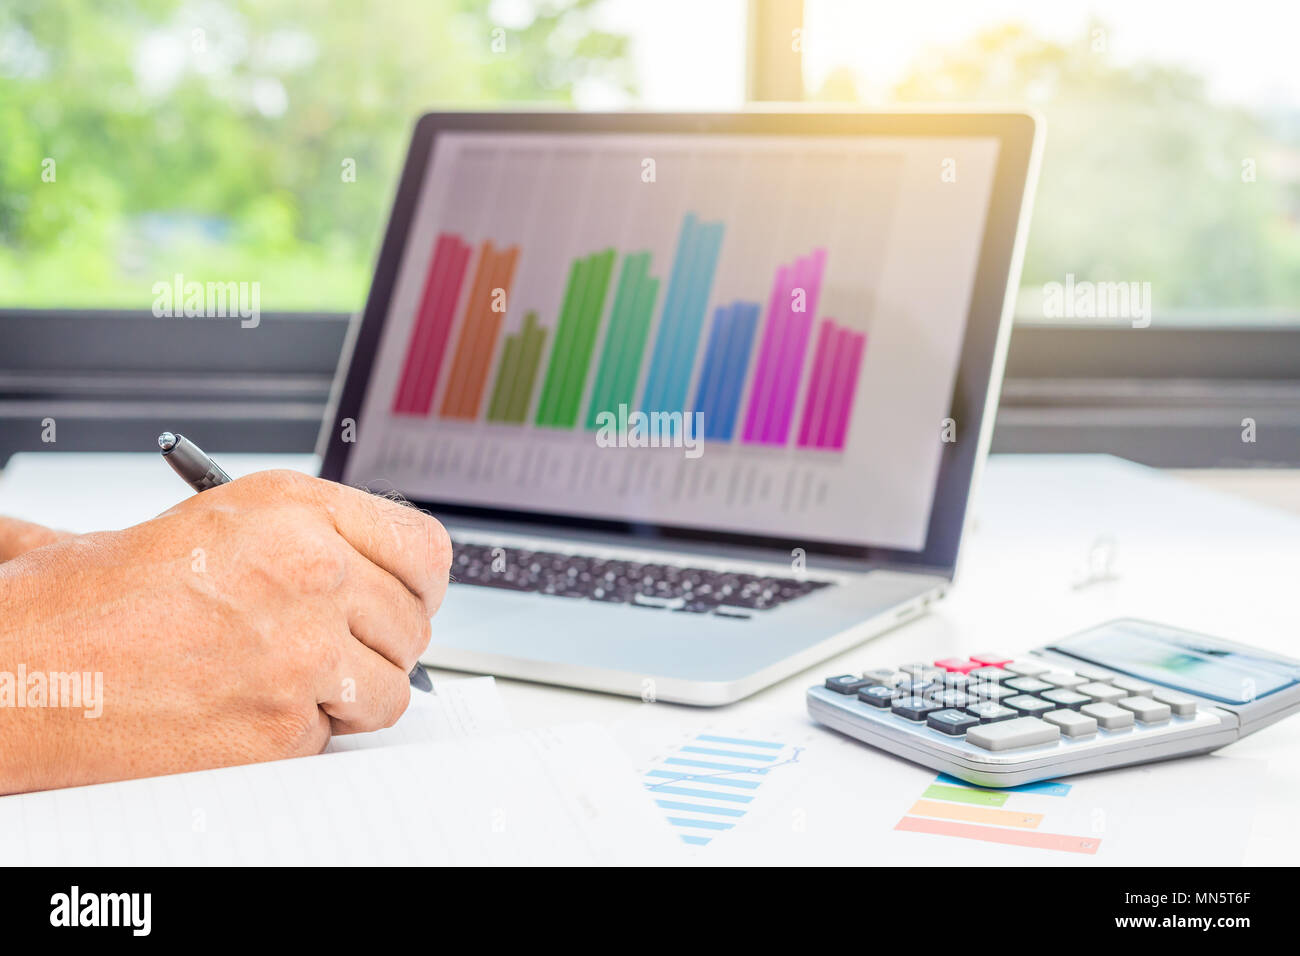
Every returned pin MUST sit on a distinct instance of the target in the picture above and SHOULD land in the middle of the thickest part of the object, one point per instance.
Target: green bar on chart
(620, 318)
(507, 373)
(564, 330)
(530, 357)
(623, 389)
(584, 338)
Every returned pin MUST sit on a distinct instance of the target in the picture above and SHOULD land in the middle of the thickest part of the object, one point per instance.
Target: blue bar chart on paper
(707, 785)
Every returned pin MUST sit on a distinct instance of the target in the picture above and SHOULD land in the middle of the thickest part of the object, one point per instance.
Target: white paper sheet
(563, 795)
(470, 707)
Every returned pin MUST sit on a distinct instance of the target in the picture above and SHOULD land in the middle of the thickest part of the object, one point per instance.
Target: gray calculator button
(1109, 716)
(989, 712)
(1102, 692)
(1181, 704)
(989, 691)
(990, 674)
(954, 681)
(1062, 679)
(1067, 698)
(1093, 673)
(1027, 668)
(925, 672)
(1013, 734)
(1072, 724)
(1132, 685)
(1028, 705)
(1028, 685)
(1146, 710)
(881, 675)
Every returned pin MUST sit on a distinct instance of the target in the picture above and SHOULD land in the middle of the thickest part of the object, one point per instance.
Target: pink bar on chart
(773, 329)
(814, 403)
(444, 312)
(439, 263)
(795, 347)
(1029, 838)
(844, 389)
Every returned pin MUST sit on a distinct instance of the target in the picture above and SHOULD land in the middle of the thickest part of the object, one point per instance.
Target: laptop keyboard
(666, 587)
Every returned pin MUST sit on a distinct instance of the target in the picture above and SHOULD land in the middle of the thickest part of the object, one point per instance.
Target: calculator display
(1192, 662)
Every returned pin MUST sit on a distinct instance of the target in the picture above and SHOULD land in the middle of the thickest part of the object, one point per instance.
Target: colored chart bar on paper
(433, 321)
(791, 308)
(726, 357)
(970, 814)
(682, 318)
(575, 338)
(629, 327)
(828, 401)
(517, 373)
(1013, 837)
(479, 328)
(1046, 788)
(708, 784)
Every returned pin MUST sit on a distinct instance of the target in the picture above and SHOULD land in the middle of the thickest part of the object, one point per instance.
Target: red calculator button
(991, 659)
(957, 665)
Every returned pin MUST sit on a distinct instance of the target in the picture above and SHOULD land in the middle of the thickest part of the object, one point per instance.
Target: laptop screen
(738, 333)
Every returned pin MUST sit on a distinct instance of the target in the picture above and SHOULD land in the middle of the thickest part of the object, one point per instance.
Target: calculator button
(1072, 724)
(992, 658)
(881, 675)
(1146, 710)
(990, 712)
(925, 672)
(1027, 685)
(1027, 668)
(951, 722)
(955, 681)
(952, 699)
(1032, 706)
(1064, 698)
(877, 695)
(1013, 734)
(916, 708)
(1102, 692)
(1062, 679)
(956, 664)
(990, 674)
(993, 692)
(1181, 704)
(846, 684)
(1093, 673)
(918, 688)
(1138, 688)
(1108, 716)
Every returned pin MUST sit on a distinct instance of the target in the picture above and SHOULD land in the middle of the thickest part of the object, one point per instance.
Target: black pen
(201, 473)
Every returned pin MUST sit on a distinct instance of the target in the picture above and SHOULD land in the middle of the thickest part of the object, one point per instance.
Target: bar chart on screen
(754, 363)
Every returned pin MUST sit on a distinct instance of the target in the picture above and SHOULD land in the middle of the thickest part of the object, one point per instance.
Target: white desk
(1182, 554)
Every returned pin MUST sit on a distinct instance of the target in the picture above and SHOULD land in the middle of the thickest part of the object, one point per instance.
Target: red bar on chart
(428, 342)
(1013, 837)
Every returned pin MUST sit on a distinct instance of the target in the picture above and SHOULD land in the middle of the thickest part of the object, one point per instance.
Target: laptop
(700, 398)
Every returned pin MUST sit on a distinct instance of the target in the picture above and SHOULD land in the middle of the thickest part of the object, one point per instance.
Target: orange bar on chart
(1029, 838)
(490, 323)
(969, 814)
(479, 299)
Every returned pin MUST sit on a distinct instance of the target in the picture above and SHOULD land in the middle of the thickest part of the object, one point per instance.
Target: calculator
(1124, 692)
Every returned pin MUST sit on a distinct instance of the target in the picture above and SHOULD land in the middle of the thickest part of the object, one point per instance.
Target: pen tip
(166, 441)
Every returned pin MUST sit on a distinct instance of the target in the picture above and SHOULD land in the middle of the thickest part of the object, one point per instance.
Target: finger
(383, 613)
(367, 691)
(410, 545)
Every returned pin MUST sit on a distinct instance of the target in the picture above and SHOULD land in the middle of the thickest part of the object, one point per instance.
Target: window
(1173, 135)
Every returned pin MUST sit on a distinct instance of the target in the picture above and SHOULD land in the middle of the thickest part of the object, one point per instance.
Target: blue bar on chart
(731, 338)
(682, 318)
(708, 784)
